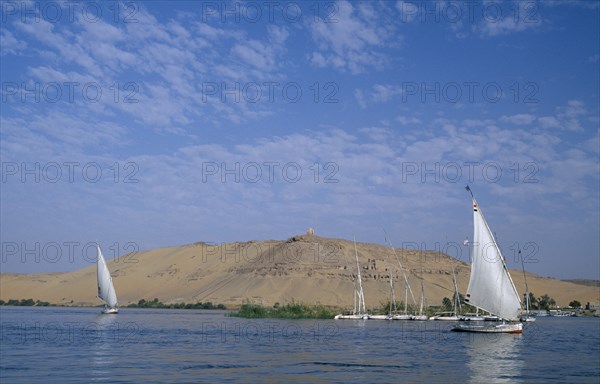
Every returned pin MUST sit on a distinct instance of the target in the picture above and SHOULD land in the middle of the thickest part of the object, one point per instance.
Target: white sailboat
(390, 315)
(106, 289)
(490, 286)
(450, 316)
(405, 315)
(421, 316)
(407, 289)
(359, 313)
(528, 317)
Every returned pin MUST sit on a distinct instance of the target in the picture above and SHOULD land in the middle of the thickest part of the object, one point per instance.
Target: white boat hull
(351, 317)
(499, 328)
(444, 318)
(110, 311)
(419, 318)
(401, 317)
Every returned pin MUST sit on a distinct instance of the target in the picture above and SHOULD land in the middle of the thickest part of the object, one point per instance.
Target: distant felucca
(359, 313)
(106, 289)
(450, 316)
(407, 288)
(490, 286)
(527, 316)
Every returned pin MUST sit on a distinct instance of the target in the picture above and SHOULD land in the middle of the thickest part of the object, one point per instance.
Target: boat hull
(500, 328)
(110, 311)
(351, 317)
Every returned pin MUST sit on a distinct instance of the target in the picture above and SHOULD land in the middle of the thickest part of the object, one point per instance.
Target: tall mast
(456, 294)
(361, 296)
(392, 294)
(407, 286)
(526, 288)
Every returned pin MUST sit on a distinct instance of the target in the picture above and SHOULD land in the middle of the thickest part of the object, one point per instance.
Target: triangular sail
(490, 286)
(106, 290)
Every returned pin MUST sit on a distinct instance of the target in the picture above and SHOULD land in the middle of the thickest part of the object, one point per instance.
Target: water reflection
(102, 336)
(494, 358)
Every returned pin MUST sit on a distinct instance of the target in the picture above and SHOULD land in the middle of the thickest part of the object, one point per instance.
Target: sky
(140, 125)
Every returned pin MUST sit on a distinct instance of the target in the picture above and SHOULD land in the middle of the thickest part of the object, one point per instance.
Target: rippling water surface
(78, 345)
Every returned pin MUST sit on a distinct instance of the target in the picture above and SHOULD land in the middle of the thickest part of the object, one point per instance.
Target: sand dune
(309, 269)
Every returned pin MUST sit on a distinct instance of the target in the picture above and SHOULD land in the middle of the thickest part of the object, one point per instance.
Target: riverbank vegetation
(25, 303)
(157, 304)
(293, 310)
(140, 304)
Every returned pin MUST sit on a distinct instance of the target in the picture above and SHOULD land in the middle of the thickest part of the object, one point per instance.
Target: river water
(62, 345)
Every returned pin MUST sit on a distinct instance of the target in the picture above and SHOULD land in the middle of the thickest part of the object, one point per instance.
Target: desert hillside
(308, 268)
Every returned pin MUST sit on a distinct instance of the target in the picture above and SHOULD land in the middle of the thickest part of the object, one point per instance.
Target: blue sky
(147, 124)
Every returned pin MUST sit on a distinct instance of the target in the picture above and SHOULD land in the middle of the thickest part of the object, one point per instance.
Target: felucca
(106, 289)
(490, 286)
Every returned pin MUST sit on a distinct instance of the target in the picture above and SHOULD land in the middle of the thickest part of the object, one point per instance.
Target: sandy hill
(308, 268)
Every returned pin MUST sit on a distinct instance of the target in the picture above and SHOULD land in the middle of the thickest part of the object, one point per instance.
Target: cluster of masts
(359, 311)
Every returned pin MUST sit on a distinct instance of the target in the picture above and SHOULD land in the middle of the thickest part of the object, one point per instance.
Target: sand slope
(309, 269)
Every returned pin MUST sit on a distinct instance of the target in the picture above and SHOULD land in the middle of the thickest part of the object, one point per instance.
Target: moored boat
(360, 310)
(444, 316)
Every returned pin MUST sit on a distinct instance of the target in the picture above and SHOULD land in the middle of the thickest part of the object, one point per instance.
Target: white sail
(490, 286)
(106, 290)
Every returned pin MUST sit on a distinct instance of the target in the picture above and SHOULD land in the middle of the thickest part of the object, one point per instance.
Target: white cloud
(64, 43)
(404, 120)
(497, 20)
(349, 40)
(477, 122)
(379, 93)
(256, 54)
(10, 44)
(549, 122)
(360, 98)
(567, 117)
(519, 119)
(575, 108)
(278, 35)
(383, 92)
(99, 31)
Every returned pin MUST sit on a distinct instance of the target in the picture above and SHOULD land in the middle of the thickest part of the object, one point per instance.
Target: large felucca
(490, 286)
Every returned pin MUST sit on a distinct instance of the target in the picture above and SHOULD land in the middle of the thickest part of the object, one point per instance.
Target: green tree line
(143, 303)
